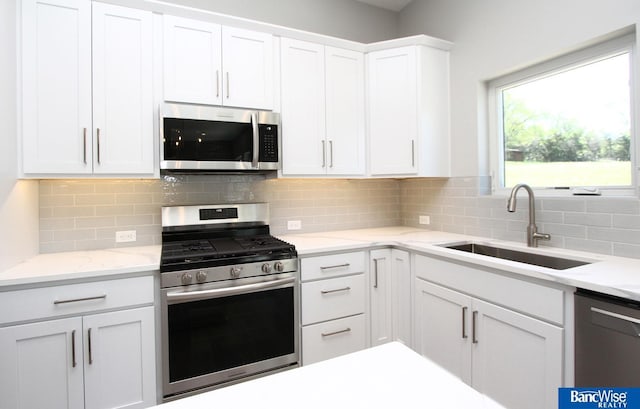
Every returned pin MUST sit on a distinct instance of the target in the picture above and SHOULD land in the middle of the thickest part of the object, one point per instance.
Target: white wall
(347, 19)
(493, 37)
(18, 200)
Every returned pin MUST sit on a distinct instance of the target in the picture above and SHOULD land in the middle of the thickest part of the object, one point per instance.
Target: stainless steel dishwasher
(607, 340)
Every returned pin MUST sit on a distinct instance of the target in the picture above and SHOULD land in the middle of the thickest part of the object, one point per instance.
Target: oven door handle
(227, 291)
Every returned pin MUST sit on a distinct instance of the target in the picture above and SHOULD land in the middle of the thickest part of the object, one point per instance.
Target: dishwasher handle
(615, 321)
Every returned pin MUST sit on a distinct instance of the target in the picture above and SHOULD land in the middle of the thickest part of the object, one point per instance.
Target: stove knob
(235, 272)
(201, 276)
(186, 278)
(278, 266)
(266, 268)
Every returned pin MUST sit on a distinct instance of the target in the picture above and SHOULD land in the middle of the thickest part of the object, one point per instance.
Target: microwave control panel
(268, 143)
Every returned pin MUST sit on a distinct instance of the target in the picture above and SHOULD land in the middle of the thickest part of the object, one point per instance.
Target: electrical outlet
(294, 225)
(125, 236)
(424, 220)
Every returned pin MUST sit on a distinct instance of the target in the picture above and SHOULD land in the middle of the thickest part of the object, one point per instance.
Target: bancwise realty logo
(577, 398)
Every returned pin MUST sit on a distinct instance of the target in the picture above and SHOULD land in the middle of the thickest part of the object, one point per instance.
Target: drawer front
(519, 295)
(333, 338)
(335, 298)
(334, 265)
(74, 299)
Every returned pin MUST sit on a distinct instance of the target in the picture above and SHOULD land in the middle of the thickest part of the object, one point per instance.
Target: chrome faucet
(532, 230)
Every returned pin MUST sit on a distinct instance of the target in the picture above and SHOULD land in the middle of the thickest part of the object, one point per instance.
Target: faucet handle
(541, 236)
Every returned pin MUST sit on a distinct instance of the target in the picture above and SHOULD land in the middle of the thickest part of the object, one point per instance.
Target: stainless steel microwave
(208, 138)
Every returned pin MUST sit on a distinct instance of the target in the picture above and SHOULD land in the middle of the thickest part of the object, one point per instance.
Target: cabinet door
(381, 296)
(122, 90)
(401, 296)
(519, 351)
(393, 121)
(345, 116)
(192, 61)
(42, 365)
(120, 359)
(442, 328)
(56, 86)
(303, 108)
(247, 58)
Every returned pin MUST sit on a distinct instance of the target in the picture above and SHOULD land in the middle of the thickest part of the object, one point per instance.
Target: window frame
(616, 44)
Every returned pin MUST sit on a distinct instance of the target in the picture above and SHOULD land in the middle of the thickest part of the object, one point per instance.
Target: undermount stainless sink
(556, 263)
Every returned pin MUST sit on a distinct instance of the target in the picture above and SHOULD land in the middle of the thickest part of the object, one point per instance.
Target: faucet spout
(532, 230)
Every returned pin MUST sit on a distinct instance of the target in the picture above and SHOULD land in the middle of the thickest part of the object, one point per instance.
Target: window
(567, 123)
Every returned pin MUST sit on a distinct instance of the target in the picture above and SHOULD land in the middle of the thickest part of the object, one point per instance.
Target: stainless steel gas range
(229, 297)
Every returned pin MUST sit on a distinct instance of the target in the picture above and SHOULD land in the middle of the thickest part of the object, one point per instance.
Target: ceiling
(394, 5)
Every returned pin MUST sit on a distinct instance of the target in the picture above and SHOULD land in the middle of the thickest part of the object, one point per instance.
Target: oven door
(219, 332)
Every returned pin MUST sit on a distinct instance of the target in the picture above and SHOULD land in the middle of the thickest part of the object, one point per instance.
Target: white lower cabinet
(511, 357)
(100, 360)
(390, 296)
(332, 306)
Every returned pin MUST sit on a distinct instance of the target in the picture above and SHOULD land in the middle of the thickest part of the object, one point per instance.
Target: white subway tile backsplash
(588, 219)
(85, 214)
(624, 221)
(613, 205)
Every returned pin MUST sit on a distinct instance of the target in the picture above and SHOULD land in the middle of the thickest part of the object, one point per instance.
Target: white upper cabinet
(56, 86)
(206, 63)
(192, 61)
(247, 58)
(122, 90)
(345, 115)
(409, 112)
(323, 120)
(303, 108)
(68, 129)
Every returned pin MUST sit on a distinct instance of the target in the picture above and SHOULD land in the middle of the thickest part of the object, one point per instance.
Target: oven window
(221, 333)
(191, 139)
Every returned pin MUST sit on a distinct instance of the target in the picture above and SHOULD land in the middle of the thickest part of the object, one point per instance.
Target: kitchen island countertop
(386, 376)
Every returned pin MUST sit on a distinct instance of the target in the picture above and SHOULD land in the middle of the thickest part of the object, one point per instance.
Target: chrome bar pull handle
(342, 331)
(227, 84)
(474, 325)
(330, 153)
(98, 141)
(375, 273)
(335, 291)
(324, 153)
(73, 349)
(413, 153)
(84, 145)
(217, 83)
(90, 351)
(97, 297)
(464, 323)
(345, 265)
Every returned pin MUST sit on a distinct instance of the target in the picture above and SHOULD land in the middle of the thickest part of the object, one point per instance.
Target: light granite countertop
(48, 269)
(607, 274)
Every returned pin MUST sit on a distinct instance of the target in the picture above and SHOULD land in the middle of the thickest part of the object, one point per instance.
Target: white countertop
(607, 274)
(53, 267)
(386, 376)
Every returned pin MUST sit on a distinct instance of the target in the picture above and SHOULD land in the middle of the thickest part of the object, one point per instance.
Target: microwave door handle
(256, 139)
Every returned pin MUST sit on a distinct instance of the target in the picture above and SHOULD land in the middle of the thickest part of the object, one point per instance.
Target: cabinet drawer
(333, 265)
(335, 298)
(74, 299)
(333, 338)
